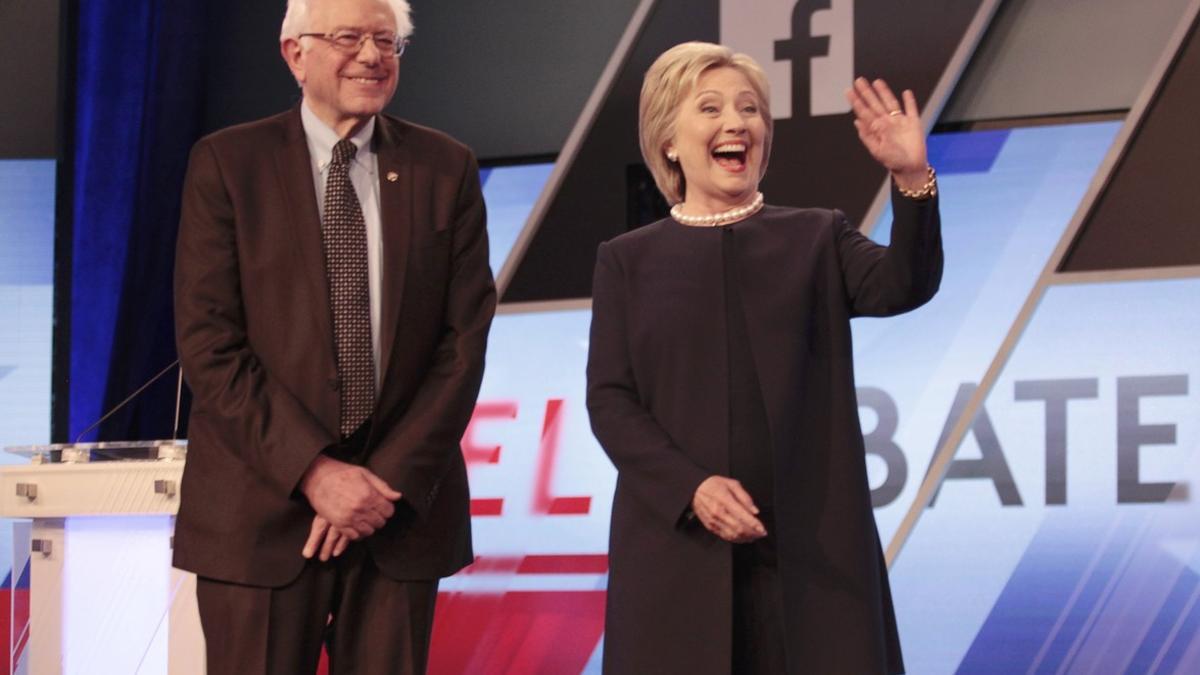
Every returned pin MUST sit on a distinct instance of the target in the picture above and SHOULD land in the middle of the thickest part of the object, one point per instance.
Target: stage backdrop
(1064, 534)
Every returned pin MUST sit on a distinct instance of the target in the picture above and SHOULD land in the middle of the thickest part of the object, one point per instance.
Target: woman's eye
(752, 109)
(708, 109)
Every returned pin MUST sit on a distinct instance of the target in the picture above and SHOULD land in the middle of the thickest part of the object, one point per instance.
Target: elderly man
(333, 300)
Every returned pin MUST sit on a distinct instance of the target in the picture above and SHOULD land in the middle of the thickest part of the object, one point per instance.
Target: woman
(720, 384)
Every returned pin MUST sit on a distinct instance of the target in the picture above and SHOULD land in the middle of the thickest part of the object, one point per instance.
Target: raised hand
(727, 510)
(891, 132)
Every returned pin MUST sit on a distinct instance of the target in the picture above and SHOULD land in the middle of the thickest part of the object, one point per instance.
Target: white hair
(296, 17)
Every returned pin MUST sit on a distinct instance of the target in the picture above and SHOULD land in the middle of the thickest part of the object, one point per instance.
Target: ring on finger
(895, 113)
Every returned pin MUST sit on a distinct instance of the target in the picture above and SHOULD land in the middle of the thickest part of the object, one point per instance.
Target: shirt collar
(321, 139)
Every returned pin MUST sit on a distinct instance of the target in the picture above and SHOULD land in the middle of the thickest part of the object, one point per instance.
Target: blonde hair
(295, 19)
(668, 80)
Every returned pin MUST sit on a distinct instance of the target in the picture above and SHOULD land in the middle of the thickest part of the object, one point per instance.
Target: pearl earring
(671, 156)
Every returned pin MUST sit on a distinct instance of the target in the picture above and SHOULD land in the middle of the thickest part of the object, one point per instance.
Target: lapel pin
(392, 176)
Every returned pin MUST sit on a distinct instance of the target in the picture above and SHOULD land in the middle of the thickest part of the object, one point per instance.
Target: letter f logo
(821, 40)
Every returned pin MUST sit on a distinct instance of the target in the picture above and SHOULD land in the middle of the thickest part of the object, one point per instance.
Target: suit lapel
(303, 227)
(396, 215)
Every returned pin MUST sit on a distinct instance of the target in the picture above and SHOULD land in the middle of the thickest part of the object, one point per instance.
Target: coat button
(335, 383)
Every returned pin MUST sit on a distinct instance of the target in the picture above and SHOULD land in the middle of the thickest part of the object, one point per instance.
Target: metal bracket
(165, 487)
(27, 490)
(43, 546)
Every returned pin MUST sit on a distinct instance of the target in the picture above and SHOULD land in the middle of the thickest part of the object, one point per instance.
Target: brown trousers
(369, 624)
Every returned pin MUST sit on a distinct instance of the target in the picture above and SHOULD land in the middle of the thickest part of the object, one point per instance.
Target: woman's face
(719, 135)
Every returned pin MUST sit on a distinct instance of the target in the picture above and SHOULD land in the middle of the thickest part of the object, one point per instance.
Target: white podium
(103, 595)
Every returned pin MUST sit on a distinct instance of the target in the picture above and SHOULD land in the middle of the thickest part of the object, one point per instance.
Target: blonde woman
(721, 386)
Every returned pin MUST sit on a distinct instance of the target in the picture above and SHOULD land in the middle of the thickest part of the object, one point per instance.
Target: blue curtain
(139, 102)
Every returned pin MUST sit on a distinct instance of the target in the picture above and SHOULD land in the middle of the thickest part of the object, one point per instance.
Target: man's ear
(293, 54)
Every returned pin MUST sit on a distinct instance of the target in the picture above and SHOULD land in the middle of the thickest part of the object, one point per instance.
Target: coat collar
(294, 166)
(396, 196)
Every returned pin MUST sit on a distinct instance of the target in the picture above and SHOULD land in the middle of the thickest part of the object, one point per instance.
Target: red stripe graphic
(564, 564)
(487, 507)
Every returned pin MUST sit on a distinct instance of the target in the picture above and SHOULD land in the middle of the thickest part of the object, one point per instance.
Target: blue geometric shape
(1180, 643)
(1031, 607)
(966, 152)
(1169, 615)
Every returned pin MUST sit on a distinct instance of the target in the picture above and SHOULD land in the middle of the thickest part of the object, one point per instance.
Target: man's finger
(331, 539)
(340, 548)
(381, 485)
(372, 518)
(383, 508)
(315, 534)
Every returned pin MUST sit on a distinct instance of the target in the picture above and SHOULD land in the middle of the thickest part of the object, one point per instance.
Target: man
(333, 300)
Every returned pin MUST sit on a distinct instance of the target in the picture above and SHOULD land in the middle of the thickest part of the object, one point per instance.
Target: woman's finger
(886, 96)
(739, 493)
(744, 521)
(869, 96)
(863, 111)
(910, 104)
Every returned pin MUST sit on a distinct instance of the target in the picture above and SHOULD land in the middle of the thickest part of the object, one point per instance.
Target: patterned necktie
(344, 233)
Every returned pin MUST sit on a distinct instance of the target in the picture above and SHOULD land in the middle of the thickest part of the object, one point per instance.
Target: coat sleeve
(647, 460)
(419, 448)
(888, 280)
(254, 416)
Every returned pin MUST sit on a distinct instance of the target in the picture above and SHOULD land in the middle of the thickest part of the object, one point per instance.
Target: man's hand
(726, 509)
(329, 541)
(352, 499)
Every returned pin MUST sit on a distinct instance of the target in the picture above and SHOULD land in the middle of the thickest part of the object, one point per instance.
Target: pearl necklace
(722, 218)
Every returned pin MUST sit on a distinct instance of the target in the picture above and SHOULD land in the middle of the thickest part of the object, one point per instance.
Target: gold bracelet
(929, 189)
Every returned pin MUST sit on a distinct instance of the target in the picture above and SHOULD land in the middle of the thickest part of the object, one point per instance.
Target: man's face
(344, 89)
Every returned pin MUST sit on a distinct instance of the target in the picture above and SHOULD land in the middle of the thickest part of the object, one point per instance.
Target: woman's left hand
(891, 133)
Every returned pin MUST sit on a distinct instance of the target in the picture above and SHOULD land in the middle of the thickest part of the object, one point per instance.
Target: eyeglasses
(352, 41)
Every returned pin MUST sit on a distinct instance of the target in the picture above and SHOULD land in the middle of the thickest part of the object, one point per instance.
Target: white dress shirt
(364, 174)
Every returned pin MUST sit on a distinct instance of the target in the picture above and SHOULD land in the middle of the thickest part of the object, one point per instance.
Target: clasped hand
(727, 510)
(351, 502)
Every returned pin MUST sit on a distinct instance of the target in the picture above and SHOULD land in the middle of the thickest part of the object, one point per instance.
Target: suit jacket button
(335, 383)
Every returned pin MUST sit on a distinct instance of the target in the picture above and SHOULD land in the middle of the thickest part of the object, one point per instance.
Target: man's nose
(368, 52)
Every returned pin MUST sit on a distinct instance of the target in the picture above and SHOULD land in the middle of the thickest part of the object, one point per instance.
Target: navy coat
(657, 396)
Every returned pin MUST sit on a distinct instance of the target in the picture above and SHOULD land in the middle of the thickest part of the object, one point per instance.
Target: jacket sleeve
(253, 415)
(419, 448)
(888, 280)
(648, 462)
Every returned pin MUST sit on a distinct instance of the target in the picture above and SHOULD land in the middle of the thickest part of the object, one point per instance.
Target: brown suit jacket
(255, 337)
